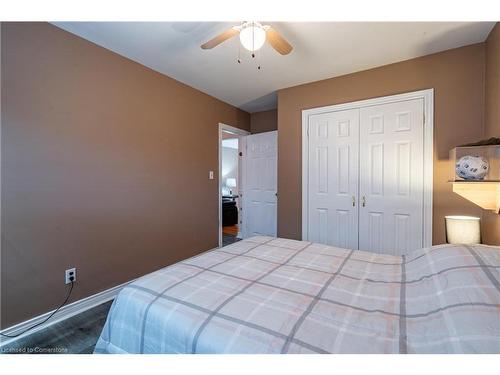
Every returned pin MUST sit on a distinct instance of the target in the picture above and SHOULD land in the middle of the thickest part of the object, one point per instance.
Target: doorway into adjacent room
(247, 184)
(230, 178)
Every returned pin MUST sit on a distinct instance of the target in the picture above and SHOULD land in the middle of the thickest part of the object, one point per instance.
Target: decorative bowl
(471, 167)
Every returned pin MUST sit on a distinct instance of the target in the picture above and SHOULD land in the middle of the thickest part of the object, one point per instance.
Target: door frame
(240, 132)
(428, 98)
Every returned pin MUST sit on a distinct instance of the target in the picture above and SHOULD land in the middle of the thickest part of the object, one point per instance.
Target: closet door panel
(391, 177)
(333, 178)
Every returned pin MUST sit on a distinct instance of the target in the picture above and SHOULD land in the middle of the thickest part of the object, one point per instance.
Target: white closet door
(391, 177)
(333, 178)
(260, 184)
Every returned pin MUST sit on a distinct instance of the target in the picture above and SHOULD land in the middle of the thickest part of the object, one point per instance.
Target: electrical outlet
(68, 274)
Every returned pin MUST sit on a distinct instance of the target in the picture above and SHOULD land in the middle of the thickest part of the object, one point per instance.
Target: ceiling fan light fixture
(252, 36)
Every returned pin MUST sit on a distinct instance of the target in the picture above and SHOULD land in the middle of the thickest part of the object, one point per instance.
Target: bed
(274, 295)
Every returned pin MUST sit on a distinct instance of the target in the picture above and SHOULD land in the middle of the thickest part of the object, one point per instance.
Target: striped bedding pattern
(274, 295)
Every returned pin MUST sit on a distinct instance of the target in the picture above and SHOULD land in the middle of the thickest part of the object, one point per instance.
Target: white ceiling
(321, 50)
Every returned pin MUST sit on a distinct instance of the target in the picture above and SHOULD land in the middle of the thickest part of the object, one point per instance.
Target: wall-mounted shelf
(486, 194)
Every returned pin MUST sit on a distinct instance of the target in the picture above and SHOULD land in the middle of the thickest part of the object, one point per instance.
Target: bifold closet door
(333, 178)
(391, 177)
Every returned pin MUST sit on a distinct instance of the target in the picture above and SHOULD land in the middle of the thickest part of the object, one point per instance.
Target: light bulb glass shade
(231, 182)
(252, 36)
(463, 230)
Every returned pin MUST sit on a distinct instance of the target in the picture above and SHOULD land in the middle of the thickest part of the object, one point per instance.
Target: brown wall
(491, 221)
(104, 168)
(492, 84)
(457, 78)
(264, 121)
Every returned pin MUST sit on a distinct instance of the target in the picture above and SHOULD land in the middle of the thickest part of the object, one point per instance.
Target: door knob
(363, 201)
(353, 201)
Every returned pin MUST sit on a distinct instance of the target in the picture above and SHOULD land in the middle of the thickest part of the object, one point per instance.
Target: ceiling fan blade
(220, 38)
(277, 41)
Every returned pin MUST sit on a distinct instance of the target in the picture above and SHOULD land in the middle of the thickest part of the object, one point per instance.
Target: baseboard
(65, 312)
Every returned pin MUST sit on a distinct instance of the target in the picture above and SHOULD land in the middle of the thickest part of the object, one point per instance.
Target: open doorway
(230, 179)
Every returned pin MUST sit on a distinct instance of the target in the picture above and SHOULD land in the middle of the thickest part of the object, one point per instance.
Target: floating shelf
(486, 194)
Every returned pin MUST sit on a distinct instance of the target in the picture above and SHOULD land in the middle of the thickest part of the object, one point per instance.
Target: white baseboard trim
(65, 312)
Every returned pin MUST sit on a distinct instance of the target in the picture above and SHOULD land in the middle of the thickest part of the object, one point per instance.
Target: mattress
(275, 295)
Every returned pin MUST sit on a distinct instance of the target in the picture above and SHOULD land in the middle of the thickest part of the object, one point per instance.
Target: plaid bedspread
(273, 295)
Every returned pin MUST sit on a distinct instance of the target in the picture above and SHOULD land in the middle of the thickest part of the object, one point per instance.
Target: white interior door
(260, 184)
(333, 178)
(391, 177)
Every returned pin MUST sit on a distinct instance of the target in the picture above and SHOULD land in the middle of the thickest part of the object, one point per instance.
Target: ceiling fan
(253, 35)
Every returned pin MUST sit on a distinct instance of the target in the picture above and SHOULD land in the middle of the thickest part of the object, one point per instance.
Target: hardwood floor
(76, 335)
(233, 230)
(228, 239)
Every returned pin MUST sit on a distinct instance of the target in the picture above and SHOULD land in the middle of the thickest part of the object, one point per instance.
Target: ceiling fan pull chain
(259, 58)
(253, 43)
(239, 44)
